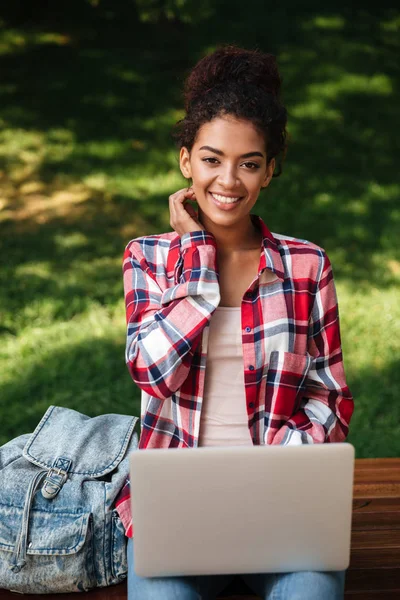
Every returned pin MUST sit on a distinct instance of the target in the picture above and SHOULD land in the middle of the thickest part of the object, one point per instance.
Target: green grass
(87, 163)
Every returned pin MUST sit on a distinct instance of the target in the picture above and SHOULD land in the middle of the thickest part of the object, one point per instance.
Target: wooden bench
(374, 572)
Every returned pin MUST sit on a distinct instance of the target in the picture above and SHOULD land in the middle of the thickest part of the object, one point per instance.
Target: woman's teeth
(224, 199)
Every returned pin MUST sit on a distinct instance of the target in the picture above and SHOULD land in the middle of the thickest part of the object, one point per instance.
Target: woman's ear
(268, 173)
(184, 163)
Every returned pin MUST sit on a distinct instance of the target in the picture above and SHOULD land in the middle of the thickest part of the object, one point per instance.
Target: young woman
(233, 332)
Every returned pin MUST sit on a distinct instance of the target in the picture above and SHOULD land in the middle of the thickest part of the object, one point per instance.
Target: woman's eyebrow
(247, 155)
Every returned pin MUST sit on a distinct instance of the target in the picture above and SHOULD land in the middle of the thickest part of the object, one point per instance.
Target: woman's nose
(228, 178)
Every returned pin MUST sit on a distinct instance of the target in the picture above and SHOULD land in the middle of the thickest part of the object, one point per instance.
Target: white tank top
(224, 419)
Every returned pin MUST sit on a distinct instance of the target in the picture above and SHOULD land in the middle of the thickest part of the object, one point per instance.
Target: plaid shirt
(295, 385)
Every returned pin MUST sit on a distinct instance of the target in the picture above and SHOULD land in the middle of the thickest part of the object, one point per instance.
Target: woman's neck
(239, 237)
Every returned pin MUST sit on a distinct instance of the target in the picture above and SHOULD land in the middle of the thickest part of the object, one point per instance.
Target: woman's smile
(225, 202)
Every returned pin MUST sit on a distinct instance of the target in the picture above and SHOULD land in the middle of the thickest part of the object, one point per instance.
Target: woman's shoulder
(154, 238)
(162, 240)
(302, 259)
(286, 244)
(294, 244)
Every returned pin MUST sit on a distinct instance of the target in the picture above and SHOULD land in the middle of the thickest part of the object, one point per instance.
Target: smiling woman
(233, 331)
(223, 176)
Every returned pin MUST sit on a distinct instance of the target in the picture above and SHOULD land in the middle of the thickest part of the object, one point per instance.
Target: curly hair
(238, 82)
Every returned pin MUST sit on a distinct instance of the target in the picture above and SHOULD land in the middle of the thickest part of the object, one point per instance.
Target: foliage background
(89, 92)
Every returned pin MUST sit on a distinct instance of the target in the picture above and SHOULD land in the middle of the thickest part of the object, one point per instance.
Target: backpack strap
(56, 477)
(18, 560)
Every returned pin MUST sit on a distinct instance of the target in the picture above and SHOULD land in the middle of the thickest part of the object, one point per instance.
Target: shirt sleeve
(327, 404)
(164, 326)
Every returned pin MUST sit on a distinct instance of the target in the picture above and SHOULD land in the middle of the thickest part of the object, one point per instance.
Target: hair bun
(230, 65)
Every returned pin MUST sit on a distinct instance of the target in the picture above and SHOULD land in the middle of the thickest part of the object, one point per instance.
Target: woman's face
(228, 165)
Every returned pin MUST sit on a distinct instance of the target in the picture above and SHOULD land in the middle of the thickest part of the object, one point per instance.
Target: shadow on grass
(89, 377)
(90, 93)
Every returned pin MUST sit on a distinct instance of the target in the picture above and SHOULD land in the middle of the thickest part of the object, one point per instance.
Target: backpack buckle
(56, 477)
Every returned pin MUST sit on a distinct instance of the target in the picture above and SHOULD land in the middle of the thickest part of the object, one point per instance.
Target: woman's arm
(327, 405)
(165, 326)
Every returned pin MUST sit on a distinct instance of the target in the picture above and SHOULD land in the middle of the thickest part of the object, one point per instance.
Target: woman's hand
(183, 216)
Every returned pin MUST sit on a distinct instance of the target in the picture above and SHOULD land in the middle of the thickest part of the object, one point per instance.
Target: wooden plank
(372, 579)
(377, 476)
(378, 490)
(380, 463)
(376, 505)
(376, 513)
(113, 592)
(377, 539)
(370, 558)
(378, 521)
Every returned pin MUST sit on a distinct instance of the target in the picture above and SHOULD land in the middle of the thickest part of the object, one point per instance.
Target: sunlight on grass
(12, 40)
(316, 105)
(14, 142)
(353, 83)
(131, 183)
(370, 325)
(124, 74)
(187, 11)
(166, 118)
(357, 207)
(97, 181)
(383, 192)
(392, 25)
(328, 22)
(27, 151)
(32, 344)
(71, 240)
(315, 109)
(105, 149)
(39, 269)
(324, 198)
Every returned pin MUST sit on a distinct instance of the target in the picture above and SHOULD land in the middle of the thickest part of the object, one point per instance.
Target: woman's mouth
(225, 202)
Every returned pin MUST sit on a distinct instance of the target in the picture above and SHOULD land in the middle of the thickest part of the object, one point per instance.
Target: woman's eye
(251, 165)
(211, 160)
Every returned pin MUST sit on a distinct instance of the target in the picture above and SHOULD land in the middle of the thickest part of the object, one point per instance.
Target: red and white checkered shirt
(295, 385)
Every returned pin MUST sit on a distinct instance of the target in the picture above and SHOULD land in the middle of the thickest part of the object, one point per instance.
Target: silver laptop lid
(253, 509)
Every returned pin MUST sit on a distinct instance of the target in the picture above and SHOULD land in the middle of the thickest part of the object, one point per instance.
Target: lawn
(89, 93)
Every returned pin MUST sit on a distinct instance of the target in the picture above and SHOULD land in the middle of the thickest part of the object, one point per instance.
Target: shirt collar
(271, 257)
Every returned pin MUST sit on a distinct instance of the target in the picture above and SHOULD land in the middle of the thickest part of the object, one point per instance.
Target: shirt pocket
(286, 382)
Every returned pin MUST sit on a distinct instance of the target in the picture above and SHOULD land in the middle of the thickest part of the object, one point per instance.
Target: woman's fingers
(177, 199)
(183, 217)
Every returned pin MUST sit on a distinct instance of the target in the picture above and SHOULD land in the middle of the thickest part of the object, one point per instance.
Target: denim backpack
(59, 531)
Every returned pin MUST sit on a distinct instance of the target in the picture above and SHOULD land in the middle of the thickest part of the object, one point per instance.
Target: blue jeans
(304, 585)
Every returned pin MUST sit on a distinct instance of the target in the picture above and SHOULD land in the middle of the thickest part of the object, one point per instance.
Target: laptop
(242, 509)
